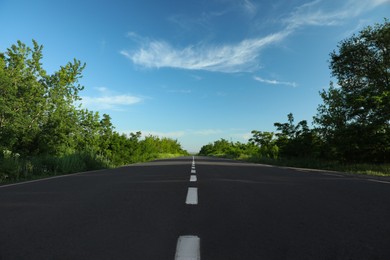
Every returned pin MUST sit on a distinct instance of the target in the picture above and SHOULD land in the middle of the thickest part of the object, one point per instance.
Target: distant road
(197, 209)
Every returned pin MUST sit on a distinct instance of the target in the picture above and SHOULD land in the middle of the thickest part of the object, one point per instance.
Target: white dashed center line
(192, 196)
(188, 248)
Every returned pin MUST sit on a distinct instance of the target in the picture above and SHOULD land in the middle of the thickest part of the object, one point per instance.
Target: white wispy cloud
(244, 55)
(222, 58)
(102, 89)
(314, 13)
(109, 100)
(116, 103)
(249, 7)
(311, 14)
(275, 82)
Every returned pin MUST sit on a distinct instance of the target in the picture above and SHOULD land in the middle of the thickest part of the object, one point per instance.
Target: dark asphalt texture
(245, 211)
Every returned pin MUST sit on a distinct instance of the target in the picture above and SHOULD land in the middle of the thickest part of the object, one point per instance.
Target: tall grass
(168, 155)
(364, 169)
(14, 168)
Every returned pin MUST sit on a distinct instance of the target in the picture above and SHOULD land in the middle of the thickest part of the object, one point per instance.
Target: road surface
(201, 208)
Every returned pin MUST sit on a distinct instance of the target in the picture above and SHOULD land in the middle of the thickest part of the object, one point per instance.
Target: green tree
(228, 149)
(106, 131)
(88, 132)
(34, 104)
(354, 119)
(42, 129)
(207, 149)
(295, 140)
(266, 143)
(22, 96)
(65, 121)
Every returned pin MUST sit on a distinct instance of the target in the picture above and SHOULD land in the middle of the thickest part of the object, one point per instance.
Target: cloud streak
(249, 7)
(314, 14)
(221, 58)
(242, 56)
(275, 82)
(109, 101)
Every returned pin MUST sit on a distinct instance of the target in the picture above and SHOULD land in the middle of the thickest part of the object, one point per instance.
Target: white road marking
(192, 196)
(193, 171)
(48, 178)
(373, 180)
(188, 248)
(193, 178)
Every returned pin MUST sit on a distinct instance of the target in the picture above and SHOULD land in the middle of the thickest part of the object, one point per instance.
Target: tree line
(43, 128)
(352, 125)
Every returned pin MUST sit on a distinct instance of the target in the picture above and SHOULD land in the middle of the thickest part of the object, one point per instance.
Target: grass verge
(381, 170)
(15, 169)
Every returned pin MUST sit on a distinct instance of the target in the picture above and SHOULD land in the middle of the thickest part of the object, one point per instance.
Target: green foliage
(15, 168)
(224, 148)
(296, 140)
(352, 126)
(123, 149)
(266, 143)
(34, 104)
(44, 132)
(354, 120)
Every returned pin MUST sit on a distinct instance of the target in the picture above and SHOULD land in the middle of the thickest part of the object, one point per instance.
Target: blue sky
(193, 70)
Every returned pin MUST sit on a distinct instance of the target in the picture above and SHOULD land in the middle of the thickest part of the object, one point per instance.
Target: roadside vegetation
(44, 131)
(351, 130)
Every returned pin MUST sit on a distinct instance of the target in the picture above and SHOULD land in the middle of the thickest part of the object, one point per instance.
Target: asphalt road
(235, 211)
